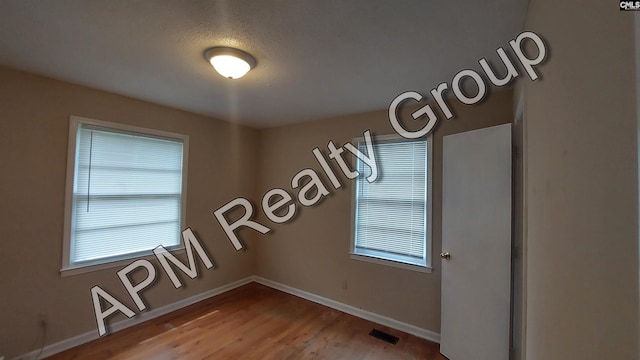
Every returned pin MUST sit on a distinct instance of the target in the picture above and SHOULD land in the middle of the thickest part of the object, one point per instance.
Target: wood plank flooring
(254, 322)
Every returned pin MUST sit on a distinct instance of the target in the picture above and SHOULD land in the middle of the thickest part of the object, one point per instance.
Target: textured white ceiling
(316, 59)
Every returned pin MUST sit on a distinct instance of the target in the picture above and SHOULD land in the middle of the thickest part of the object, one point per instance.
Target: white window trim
(427, 268)
(67, 268)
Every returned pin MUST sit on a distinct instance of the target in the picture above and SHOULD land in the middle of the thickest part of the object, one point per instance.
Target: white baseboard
(379, 319)
(139, 318)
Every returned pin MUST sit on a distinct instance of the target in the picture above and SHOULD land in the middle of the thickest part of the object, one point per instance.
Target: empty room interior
(368, 180)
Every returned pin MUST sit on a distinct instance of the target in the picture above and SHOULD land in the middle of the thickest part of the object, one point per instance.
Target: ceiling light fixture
(229, 62)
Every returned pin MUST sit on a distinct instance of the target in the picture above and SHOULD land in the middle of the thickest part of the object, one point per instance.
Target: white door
(476, 234)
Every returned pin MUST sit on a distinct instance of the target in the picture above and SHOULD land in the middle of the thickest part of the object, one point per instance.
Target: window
(125, 192)
(392, 215)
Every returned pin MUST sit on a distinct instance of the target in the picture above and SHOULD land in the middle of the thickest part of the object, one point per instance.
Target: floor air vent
(384, 336)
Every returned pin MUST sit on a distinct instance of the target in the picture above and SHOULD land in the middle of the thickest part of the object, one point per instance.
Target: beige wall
(34, 125)
(311, 252)
(581, 185)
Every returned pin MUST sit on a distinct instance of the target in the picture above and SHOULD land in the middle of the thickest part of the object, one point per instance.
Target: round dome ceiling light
(229, 62)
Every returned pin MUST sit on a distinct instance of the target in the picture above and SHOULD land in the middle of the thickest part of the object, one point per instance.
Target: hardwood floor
(254, 322)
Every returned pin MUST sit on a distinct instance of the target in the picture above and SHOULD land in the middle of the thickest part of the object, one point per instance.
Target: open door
(476, 244)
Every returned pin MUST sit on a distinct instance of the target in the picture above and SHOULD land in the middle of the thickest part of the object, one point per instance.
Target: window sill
(375, 260)
(87, 268)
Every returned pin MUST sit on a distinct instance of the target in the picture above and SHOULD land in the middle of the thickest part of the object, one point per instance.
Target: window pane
(391, 213)
(127, 194)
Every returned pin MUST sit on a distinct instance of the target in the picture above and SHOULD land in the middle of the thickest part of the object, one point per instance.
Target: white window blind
(127, 194)
(391, 217)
